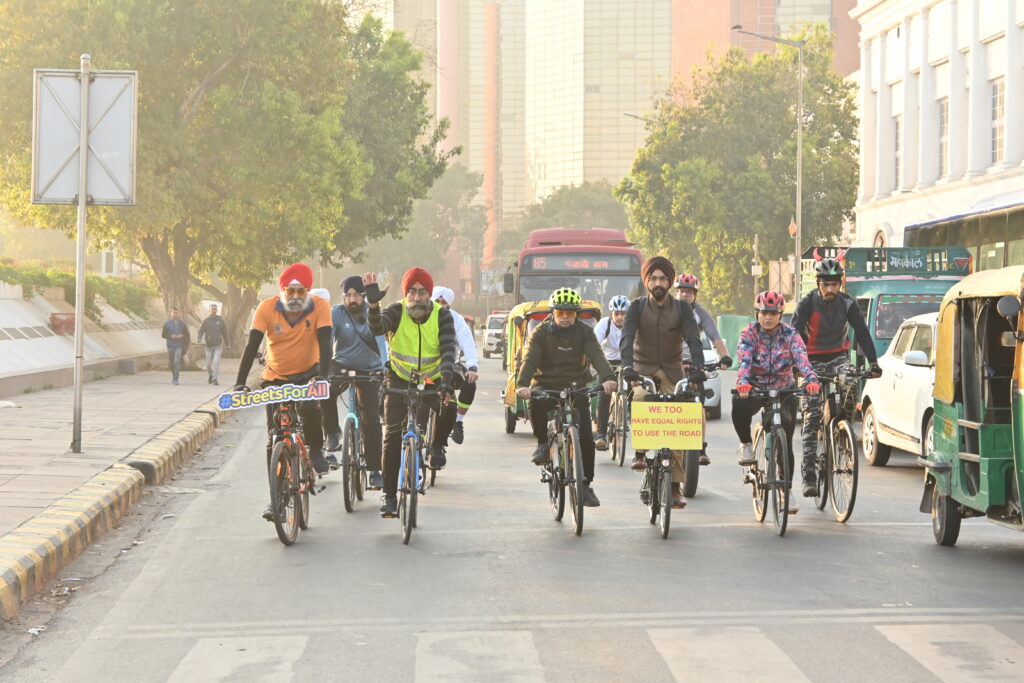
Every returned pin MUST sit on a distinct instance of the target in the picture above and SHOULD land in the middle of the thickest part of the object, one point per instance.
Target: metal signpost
(63, 174)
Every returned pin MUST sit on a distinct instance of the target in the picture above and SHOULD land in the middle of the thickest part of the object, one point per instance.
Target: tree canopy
(719, 166)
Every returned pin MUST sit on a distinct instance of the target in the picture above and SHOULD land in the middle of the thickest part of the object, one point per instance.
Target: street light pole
(799, 45)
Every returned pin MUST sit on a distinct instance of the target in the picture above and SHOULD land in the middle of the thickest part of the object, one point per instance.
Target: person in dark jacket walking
(556, 357)
(175, 332)
(215, 330)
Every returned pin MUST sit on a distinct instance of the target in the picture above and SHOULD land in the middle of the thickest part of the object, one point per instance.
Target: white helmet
(618, 303)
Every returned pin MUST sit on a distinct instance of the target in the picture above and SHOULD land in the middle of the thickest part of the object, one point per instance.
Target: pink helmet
(688, 281)
(769, 301)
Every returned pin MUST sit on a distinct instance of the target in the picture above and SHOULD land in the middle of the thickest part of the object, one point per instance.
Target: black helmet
(829, 269)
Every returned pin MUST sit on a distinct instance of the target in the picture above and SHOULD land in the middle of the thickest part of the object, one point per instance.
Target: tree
(249, 155)
(719, 166)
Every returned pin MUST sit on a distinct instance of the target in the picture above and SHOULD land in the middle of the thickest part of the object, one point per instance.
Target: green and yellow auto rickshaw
(522, 320)
(976, 465)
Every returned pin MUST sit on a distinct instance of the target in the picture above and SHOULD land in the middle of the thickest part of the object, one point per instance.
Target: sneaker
(590, 498)
(332, 461)
(746, 451)
(376, 482)
(174, 381)
(216, 383)
(437, 458)
(316, 456)
(601, 442)
(209, 380)
(390, 506)
(334, 440)
(268, 514)
(541, 455)
(458, 434)
(810, 487)
(678, 501)
(704, 459)
(794, 507)
(639, 462)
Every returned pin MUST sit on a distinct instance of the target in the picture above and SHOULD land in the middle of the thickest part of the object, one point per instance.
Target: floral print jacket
(767, 359)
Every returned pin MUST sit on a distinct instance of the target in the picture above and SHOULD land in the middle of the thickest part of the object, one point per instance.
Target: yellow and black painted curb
(36, 551)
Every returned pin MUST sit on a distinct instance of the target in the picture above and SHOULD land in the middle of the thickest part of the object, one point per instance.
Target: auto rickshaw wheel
(945, 517)
(876, 452)
(510, 420)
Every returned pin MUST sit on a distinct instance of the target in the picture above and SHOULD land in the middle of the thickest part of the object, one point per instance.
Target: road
(197, 587)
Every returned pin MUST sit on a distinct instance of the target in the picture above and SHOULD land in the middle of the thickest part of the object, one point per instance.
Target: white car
(897, 407)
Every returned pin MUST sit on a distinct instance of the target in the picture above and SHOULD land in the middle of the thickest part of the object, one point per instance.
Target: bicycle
(412, 469)
(618, 421)
(691, 458)
(565, 470)
(835, 462)
(353, 460)
(770, 453)
(292, 477)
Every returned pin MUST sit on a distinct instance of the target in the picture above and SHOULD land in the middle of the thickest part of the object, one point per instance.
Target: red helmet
(687, 280)
(769, 301)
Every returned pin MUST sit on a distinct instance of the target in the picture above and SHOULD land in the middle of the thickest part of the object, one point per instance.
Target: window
(923, 341)
(944, 137)
(903, 338)
(998, 107)
(897, 153)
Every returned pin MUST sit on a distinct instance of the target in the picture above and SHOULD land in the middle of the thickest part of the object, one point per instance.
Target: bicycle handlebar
(346, 376)
(772, 393)
(566, 393)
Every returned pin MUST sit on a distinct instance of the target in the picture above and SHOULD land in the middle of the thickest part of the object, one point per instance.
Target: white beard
(285, 302)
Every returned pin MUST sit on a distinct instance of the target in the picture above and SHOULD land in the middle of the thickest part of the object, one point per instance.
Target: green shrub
(123, 295)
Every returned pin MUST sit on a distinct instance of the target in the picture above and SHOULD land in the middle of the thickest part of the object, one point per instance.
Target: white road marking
(742, 653)
(475, 655)
(960, 651)
(247, 658)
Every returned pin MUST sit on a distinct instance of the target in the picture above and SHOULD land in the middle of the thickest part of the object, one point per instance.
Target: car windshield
(893, 309)
(495, 323)
(600, 288)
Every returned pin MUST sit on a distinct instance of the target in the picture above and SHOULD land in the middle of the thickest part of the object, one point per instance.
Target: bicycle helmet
(688, 281)
(829, 269)
(618, 303)
(769, 301)
(565, 299)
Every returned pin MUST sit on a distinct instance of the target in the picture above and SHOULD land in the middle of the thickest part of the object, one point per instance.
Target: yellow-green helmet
(565, 299)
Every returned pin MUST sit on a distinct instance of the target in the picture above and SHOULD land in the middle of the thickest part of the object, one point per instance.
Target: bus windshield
(596, 287)
(893, 309)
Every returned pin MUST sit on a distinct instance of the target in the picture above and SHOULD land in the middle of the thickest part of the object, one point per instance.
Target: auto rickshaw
(522, 320)
(976, 465)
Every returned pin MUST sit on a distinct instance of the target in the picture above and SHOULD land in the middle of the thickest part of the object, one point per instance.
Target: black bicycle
(564, 468)
(691, 458)
(353, 460)
(771, 476)
(835, 462)
(618, 420)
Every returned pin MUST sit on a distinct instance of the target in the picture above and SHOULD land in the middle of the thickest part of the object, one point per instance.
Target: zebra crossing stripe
(264, 658)
(456, 656)
(959, 652)
(735, 653)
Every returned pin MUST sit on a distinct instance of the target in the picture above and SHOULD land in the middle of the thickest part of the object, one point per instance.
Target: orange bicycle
(292, 477)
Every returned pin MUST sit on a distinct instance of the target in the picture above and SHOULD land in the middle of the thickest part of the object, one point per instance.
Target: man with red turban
(297, 326)
(421, 337)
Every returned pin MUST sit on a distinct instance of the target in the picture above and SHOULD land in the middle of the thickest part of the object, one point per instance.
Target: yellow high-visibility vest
(416, 347)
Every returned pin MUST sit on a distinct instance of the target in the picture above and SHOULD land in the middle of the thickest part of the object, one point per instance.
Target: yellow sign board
(667, 425)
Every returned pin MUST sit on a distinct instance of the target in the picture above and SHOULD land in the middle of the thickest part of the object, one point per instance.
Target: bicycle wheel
(282, 493)
(691, 468)
(759, 474)
(574, 458)
(821, 459)
(623, 428)
(779, 478)
(349, 467)
(650, 487)
(304, 483)
(407, 492)
(360, 463)
(843, 471)
(665, 494)
(613, 427)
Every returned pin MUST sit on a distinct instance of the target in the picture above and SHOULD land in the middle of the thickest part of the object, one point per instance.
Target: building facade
(942, 101)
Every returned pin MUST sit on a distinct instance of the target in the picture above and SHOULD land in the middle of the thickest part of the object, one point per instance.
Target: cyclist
(297, 326)
(356, 348)
(421, 336)
(464, 334)
(687, 286)
(823, 318)
(769, 352)
(652, 345)
(556, 357)
(609, 334)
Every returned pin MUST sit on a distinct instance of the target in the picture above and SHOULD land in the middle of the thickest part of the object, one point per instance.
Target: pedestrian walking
(175, 332)
(215, 330)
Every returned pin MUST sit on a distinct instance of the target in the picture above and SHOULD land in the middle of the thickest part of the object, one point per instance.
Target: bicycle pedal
(318, 489)
(645, 496)
(748, 477)
(545, 476)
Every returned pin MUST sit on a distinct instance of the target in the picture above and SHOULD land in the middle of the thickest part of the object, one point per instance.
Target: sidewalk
(135, 430)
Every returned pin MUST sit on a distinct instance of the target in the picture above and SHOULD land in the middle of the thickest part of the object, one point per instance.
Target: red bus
(597, 262)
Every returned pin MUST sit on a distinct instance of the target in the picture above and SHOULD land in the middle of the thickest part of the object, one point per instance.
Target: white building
(942, 126)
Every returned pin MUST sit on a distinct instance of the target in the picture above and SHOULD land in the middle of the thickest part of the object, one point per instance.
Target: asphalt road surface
(196, 586)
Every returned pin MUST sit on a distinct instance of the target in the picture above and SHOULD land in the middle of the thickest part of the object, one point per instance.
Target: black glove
(241, 387)
(696, 375)
(451, 380)
(876, 370)
(630, 375)
(373, 294)
(725, 362)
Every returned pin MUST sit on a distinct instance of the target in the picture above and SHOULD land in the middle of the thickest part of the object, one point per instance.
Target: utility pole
(755, 267)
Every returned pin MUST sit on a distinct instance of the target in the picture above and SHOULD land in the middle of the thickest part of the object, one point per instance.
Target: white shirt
(608, 335)
(464, 335)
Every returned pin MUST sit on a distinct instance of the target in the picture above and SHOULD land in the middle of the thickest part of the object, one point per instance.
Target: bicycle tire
(428, 441)
(665, 495)
(843, 472)
(691, 469)
(282, 494)
(407, 492)
(759, 485)
(779, 480)
(576, 489)
(613, 428)
(360, 462)
(650, 484)
(623, 429)
(821, 458)
(349, 468)
(305, 483)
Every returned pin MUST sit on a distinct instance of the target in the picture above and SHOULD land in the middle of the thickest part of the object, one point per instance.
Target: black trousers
(744, 410)
(368, 398)
(394, 418)
(539, 409)
(312, 427)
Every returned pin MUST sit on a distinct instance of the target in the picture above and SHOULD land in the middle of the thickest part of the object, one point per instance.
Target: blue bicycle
(353, 460)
